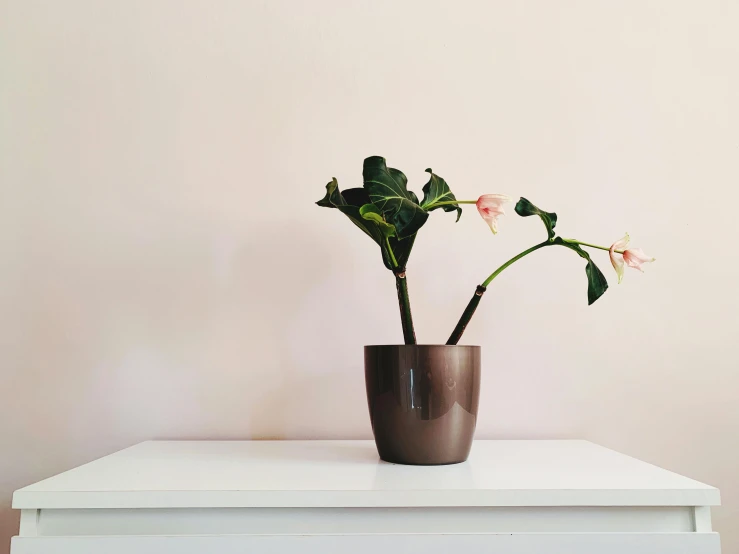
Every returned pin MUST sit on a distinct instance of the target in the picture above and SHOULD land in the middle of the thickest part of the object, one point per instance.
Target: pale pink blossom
(490, 207)
(634, 257)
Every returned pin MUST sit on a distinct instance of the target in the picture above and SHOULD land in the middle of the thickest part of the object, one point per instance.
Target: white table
(310, 497)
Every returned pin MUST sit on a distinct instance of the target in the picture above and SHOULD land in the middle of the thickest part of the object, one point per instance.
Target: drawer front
(544, 543)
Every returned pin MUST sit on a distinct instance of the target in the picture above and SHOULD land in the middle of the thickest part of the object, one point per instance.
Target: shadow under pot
(423, 401)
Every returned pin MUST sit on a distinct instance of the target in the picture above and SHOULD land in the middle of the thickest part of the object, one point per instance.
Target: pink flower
(490, 207)
(634, 257)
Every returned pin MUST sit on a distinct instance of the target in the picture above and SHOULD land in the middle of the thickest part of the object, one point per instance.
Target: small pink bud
(490, 207)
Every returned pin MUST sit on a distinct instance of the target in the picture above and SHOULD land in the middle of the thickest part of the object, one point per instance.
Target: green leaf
(437, 190)
(387, 189)
(597, 283)
(401, 247)
(350, 202)
(336, 199)
(333, 197)
(370, 212)
(524, 208)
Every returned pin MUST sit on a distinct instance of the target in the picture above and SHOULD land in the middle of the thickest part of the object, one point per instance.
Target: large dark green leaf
(597, 284)
(350, 203)
(388, 190)
(437, 190)
(524, 208)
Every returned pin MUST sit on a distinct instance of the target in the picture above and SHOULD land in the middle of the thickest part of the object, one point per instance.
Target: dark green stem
(404, 301)
(466, 316)
(409, 334)
(475, 300)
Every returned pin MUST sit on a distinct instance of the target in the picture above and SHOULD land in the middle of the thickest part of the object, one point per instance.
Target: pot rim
(421, 346)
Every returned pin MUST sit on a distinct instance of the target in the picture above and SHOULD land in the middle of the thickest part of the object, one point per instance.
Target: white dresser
(311, 497)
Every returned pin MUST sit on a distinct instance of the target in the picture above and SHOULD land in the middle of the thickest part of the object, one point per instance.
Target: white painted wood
(299, 521)
(517, 497)
(29, 526)
(702, 519)
(560, 543)
(204, 474)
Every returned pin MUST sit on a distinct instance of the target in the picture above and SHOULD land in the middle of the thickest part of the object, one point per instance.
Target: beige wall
(164, 272)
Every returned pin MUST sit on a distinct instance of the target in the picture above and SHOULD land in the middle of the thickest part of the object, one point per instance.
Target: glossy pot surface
(423, 401)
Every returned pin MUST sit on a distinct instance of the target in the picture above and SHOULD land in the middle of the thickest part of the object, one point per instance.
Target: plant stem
(409, 334)
(404, 301)
(581, 243)
(469, 311)
(513, 260)
(392, 254)
(475, 300)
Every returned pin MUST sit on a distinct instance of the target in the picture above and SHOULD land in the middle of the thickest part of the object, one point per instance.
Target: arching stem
(475, 300)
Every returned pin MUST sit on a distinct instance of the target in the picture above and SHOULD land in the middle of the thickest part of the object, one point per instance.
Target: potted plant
(423, 399)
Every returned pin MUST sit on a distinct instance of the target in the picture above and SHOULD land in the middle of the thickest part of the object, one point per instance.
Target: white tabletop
(202, 474)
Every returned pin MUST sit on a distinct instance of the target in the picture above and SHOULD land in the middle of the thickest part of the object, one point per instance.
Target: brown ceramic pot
(423, 401)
